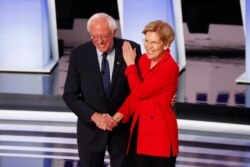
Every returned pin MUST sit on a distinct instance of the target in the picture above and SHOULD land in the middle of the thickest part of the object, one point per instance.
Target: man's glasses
(103, 37)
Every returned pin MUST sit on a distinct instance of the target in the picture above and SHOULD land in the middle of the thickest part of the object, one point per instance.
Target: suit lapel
(93, 67)
(118, 62)
(93, 61)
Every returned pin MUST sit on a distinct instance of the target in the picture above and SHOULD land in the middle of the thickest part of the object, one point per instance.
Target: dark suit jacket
(84, 94)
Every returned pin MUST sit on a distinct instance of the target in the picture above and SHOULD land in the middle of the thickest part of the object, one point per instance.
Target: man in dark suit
(84, 94)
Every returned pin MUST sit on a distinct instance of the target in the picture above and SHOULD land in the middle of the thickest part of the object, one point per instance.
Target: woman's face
(154, 46)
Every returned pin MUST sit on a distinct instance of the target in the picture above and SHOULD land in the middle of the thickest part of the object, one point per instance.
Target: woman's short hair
(164, 30)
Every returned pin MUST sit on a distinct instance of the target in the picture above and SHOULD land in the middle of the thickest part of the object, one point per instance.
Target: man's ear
(114, 32)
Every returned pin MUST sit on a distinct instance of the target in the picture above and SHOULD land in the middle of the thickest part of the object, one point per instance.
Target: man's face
(101, 35)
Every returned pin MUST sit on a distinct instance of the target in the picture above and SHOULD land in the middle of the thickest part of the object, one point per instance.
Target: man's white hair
(111, 21)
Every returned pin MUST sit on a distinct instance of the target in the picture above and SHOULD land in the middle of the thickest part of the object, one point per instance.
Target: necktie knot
(104, 55)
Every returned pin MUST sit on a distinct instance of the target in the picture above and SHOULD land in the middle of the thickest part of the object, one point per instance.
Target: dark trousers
(153, 161)
(90, 158)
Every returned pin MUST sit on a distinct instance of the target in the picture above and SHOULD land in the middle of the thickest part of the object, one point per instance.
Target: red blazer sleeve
(162, 77)
(127, 109)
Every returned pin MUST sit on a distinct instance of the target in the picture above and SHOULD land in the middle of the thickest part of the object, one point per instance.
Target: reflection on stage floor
(38, 130)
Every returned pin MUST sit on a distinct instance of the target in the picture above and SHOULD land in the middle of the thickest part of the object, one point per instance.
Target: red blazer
(150, 105)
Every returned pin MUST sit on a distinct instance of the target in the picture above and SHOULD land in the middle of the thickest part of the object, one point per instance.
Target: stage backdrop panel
(135, 14)
(245, 11)
(28, 34)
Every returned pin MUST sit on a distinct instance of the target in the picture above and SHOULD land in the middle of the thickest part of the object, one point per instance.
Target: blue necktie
(105, 73)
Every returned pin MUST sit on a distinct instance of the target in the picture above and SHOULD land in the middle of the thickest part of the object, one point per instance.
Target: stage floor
(37, 129)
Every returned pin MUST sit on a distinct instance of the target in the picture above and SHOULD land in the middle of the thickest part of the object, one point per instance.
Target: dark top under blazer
(84, 93)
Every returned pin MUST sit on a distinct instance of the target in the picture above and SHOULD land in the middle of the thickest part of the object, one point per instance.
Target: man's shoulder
(82, 46)
(121, 40)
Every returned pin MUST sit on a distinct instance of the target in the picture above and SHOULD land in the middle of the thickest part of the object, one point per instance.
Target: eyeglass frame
(103, 37)
(154, 43)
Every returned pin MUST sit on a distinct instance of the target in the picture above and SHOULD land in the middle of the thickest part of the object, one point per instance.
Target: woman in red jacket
(153, 83)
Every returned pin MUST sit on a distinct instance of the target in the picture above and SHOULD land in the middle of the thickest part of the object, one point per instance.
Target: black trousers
(153, 161)
(93, 158)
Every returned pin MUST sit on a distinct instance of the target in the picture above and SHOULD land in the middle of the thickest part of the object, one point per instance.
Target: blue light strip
(245, 11)
(247, 39)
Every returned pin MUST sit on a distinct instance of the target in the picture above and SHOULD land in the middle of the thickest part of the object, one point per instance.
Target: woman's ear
(166, 47)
